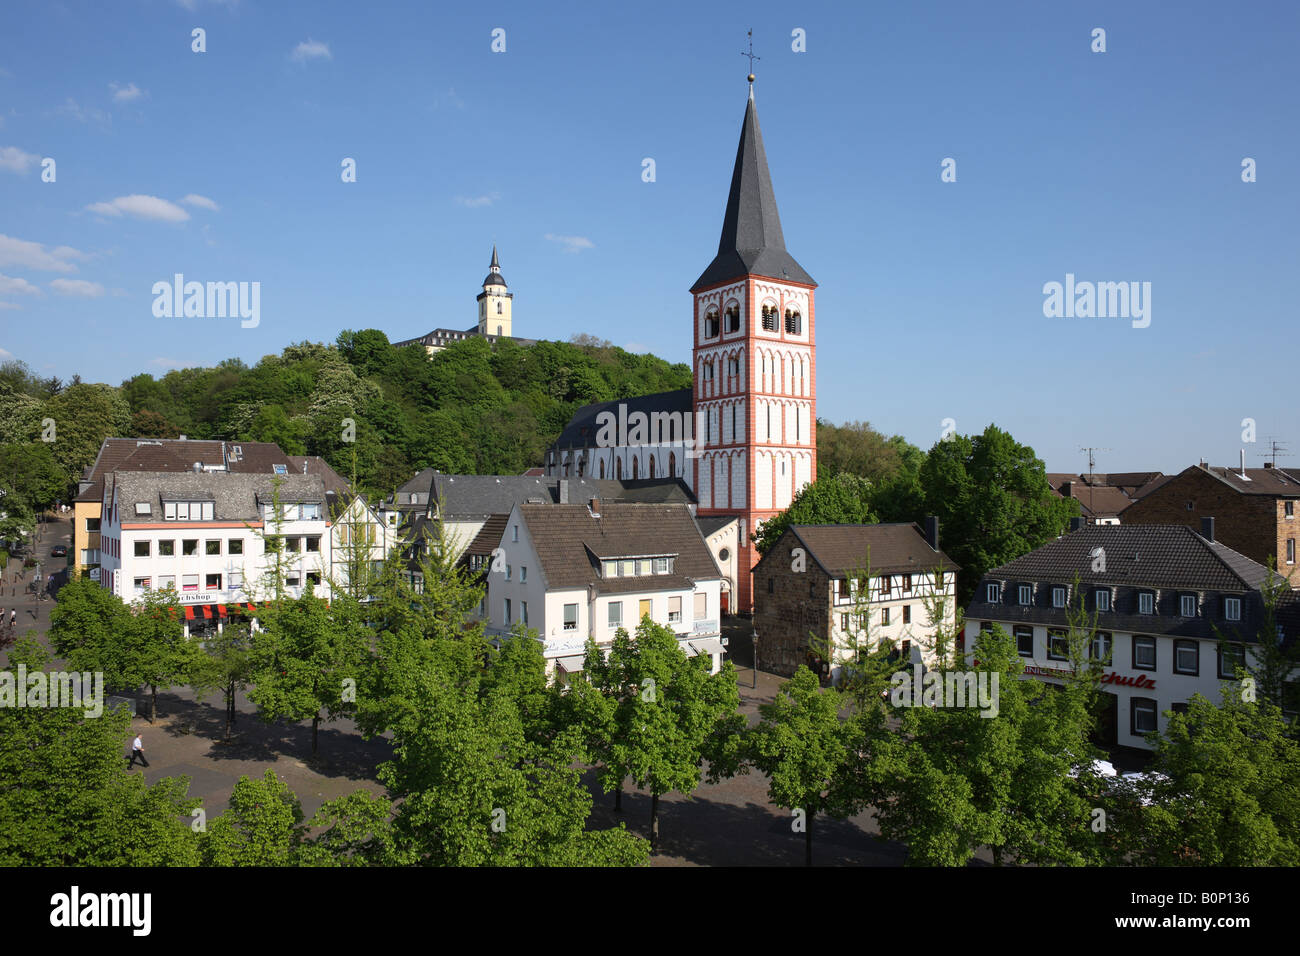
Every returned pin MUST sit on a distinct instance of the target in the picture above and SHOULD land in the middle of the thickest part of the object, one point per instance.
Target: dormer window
(1146, 603)
(1102, 597)
(1058, 597)
(143, 508)
(187, 510)
(993, 594)
(1232, 608)
(1187, 605)
(1024, 592)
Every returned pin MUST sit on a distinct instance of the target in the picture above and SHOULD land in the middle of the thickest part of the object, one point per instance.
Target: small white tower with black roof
(494, 302)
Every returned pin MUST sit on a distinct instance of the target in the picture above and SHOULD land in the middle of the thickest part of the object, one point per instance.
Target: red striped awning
(207, 611)
(221, 610)
(252, 609)
(189, 612)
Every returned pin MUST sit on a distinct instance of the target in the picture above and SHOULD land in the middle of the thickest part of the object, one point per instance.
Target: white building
(1162, 596)
(574, 571)
(203, 533)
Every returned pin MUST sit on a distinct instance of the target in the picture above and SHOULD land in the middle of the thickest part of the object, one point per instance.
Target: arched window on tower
(711, 323)
(733, 318)
(498, 308)
(793, 322)
(498, 330)
(769, 318)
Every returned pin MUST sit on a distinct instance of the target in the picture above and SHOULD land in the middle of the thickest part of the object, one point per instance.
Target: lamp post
(755, 638)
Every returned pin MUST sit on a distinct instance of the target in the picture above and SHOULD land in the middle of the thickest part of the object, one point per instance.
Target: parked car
(59, 551)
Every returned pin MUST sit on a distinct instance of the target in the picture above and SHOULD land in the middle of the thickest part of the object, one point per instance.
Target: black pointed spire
(752, 242)
(494, 271)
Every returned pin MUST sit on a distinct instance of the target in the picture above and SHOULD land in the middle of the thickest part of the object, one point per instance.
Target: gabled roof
(568, 540)
(841, 549)
(1274, 482)
(470, 496)
(1153, 556)
(752, 242)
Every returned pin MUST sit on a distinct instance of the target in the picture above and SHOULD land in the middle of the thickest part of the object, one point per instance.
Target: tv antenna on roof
(1276, 449)
(1092, 461)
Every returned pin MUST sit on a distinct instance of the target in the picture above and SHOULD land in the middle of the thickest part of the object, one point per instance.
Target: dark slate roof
(114, 451)
(494, 278)
(752, 242)
(1274, 482)
(1103, 501)
(257, 458)
(841, 549)
(569, 539)
(709, 524)
(335, 484)
(581, 430)
(1152, 556)
(236, 496)
(480, 495)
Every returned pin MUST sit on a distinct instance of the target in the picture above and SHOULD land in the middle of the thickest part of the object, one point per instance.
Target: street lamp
(755, 638)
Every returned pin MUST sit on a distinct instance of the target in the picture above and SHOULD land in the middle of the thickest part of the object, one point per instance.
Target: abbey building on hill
(494, 316)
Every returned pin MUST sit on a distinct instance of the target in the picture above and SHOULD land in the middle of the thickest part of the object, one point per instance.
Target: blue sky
(1115, 166)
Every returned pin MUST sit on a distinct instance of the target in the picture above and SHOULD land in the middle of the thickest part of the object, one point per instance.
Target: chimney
(1207, 528)
(1243, 463)
(932, 531)
(1076, 523)
(197, 467)
(594, 507)
(564, 491)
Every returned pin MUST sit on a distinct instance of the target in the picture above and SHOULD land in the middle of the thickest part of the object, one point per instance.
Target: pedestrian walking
(137, 753)
(13, 618)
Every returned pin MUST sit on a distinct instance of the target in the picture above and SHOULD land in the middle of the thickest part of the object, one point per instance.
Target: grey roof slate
(841, 549)
(236, 496)
(752, 242)
(582, 429)
(569, 540)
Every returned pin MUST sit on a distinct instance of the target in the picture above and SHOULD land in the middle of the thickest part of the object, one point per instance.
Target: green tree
(66, 798)
(806, 750)
(674, 717)
(260, 828)
(223, 667)
(1225, 790)
(840, 499)
(306, 660)
(84, 415)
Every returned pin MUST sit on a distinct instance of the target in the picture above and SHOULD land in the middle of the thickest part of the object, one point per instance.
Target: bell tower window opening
(793, 322)
(733, 318)
(769, 318)
(711, 324)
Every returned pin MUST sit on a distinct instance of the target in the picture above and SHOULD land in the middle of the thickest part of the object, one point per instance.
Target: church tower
(754, 365)
(494, 302)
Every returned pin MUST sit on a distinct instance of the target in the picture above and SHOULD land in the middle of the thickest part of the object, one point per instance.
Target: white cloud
(15, 160)
(9, 285)
(571, 243)
(79, 288)
(33, 255)
(310, 49)
(71, 108)
(125, 94)
(203, 202)
(8, 305)
(474, 202)
(140, 207)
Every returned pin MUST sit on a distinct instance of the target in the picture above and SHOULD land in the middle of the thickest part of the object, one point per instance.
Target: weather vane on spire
(751, 56)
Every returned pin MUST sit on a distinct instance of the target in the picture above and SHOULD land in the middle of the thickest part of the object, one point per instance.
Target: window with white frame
(1024, 593)
(1232, 608)
(1187, 605)
(1101, 647)
(166, 581)
(1187, 657)
(1058, 597)
(189, 582)
(674, 610)
(992, 594)
(1146, 603)
(615, 618)
(1144, 652)
(1102, 597)
(570, 617)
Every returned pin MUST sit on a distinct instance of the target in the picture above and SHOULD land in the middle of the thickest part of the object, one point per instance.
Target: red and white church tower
(755, 371)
